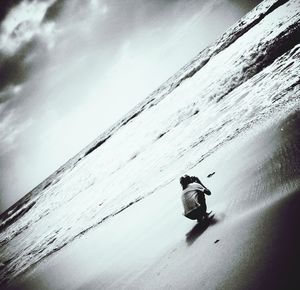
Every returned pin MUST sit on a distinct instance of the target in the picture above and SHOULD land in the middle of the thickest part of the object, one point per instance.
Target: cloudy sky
(70, 69)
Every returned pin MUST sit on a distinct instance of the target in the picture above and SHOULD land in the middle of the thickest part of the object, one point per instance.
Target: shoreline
(147, 246)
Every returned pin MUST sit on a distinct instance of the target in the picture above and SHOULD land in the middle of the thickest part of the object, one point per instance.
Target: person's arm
(207, 191)
(196, 179)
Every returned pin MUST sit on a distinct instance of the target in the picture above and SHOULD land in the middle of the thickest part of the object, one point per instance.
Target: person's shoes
(207, 214)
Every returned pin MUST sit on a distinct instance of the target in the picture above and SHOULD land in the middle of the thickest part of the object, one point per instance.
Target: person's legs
(202, 201)
(204, 207)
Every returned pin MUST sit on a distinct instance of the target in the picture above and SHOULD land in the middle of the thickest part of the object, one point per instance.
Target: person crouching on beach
(193, 197)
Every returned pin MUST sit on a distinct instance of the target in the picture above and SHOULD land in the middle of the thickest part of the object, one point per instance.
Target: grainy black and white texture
(245, 81)
(71, 69)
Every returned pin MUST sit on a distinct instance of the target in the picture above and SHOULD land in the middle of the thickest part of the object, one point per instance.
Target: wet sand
(252, 243)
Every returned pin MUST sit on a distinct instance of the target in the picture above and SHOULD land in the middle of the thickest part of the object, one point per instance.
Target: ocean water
(247, 78)
(72, 62)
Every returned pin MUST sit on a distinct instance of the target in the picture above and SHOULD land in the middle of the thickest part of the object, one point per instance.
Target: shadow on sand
(198, 230)
(280, 267)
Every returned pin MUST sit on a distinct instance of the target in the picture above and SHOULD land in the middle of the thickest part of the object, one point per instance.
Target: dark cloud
(14, 69)
(54, 10)
(6, 6)
(4, 97)
(246, 4)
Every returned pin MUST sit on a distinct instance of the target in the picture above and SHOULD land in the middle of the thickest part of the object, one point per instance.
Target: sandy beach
(252, 242)
(111, 217)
